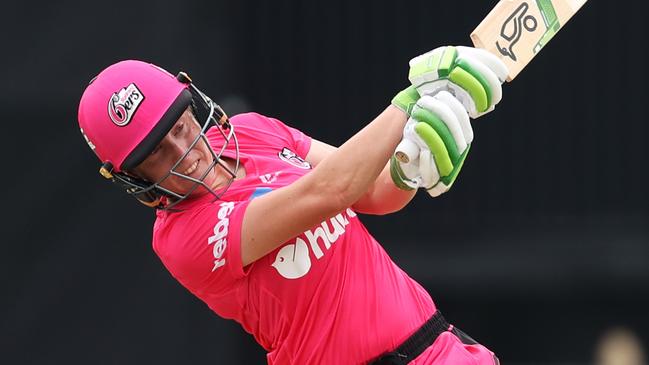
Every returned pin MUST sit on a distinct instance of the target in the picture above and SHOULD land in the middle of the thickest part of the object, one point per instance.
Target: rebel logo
(123, 104)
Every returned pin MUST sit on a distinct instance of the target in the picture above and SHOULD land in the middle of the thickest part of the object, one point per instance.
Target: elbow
(389, 210)
(383, 200)
(331, 196)
(338, 190)
(340, 198)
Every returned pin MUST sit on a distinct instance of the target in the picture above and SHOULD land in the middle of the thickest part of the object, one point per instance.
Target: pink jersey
(328, 296)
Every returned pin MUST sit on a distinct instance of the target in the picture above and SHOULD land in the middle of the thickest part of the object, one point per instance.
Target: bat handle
(407, 151)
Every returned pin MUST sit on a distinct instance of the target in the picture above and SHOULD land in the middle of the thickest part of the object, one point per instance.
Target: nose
(176, 146)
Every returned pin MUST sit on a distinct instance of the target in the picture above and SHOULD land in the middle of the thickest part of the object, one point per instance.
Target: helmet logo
(123, 104)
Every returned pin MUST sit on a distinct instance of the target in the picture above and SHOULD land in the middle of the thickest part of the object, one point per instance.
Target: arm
(343, 177)
(337, 182)
(382, 197)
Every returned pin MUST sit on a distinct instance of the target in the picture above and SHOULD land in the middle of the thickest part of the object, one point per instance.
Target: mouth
(192, 168)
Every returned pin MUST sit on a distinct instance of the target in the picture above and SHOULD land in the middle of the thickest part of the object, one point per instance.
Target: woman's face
(171, 148)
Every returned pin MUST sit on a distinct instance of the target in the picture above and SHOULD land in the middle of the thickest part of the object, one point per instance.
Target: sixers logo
(123, 104)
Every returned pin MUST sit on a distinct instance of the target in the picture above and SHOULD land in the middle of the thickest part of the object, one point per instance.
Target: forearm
(349, 172)
(383, 197)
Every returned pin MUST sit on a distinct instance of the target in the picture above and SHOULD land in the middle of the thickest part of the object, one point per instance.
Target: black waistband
(416, 343)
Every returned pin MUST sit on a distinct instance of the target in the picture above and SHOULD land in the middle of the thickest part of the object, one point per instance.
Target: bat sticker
(512, 29)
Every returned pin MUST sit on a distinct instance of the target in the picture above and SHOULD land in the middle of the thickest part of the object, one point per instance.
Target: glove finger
(425, 116)
(473, 86)
(489, 79)
(450, 67)
(484, 112)
(489, 59)
(438, 190)
(410, 134)
(464, 98)
(460, 113)
(436, 146)
(445, 183)
(450, 178)
(447, 116)
(428, 169)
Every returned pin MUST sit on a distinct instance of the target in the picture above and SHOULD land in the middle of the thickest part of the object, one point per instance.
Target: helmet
(129, 108)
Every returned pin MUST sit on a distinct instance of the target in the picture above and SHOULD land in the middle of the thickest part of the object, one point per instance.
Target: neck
(230, 164)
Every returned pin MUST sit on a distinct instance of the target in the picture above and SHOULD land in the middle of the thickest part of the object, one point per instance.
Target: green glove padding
(406, 99)
(473, 75)
(429, 155)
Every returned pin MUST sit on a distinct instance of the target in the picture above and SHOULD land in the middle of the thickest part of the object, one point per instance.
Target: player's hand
(436, 141)
(473, 75)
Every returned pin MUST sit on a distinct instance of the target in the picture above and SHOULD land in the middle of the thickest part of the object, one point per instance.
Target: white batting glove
(474, 76)
(436, 141)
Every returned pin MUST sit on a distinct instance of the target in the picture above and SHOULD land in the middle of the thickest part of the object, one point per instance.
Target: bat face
(516, 30)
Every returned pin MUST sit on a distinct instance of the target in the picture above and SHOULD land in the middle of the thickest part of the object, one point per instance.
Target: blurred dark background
(540, 248)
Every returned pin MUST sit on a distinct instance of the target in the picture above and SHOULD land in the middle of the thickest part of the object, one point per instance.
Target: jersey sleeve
(202, 249)
(300, 141)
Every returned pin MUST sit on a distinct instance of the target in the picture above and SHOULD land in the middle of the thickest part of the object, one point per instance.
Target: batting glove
(474, 76)
(406, 99)
(436, 141)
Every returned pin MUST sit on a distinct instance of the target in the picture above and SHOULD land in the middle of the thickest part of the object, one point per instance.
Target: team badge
(295, 160)
(123, 104)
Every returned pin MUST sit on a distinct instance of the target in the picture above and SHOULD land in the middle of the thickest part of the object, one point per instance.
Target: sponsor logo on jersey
(289, 156)
(219, 238)
(123, 104)
(293, 261)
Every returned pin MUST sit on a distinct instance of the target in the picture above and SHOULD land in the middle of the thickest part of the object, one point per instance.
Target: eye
(155, 150)
(179, 128)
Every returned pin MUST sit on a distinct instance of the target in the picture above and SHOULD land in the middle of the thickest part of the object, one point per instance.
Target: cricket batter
(260, 221)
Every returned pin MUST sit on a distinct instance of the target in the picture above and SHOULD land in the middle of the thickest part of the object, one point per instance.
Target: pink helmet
(128, 108)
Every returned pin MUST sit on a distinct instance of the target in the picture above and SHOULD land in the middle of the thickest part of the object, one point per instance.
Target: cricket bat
(515, 31)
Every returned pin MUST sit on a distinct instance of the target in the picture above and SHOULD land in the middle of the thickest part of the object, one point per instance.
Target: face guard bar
(153, 194)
